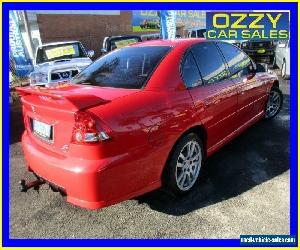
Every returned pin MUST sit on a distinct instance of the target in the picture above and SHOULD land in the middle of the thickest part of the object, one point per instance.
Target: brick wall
(89, 29)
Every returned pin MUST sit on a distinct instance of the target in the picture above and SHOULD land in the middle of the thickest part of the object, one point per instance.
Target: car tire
(283, 71)
(274, 103)
(184, 165)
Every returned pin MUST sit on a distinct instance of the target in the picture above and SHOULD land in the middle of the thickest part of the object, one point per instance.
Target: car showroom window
(210, 62)
(190, 71)
(238, 62)
(125, 68)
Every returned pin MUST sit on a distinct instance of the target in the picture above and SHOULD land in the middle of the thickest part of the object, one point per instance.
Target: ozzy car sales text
(247, 25)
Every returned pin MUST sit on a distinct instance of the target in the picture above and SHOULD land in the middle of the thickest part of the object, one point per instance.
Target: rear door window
(238, 62)
(190, 72)
(210, 62)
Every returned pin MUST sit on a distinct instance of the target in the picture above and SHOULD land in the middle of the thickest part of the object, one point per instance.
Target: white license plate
(42, 129)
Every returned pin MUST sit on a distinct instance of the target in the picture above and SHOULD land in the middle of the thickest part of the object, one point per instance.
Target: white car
(282, 58)
(59, 62)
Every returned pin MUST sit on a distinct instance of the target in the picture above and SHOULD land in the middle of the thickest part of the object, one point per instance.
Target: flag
(17, 47)
(168, 24)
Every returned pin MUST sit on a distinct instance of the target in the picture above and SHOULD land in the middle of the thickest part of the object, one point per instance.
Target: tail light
(87, 130)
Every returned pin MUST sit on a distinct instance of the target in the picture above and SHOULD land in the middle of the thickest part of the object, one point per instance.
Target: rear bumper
(78, 177)
(91, 184)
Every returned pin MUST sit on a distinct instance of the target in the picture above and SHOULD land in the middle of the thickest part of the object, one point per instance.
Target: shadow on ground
(258, 155)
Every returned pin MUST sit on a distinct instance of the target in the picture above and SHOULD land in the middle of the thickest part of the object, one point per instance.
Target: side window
(210, 62)
(190, 72)
(238, 62)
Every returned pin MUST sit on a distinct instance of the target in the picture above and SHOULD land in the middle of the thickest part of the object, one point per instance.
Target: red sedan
(142, 117)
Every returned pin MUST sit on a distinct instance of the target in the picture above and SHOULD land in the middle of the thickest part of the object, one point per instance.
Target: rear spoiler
(80, 101)
(23, 91)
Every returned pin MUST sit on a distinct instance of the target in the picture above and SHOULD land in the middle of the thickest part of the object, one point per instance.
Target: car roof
(184, 42)
(57, 43)
(123, 36)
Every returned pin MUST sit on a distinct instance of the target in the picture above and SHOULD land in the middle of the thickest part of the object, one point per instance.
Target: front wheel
(274, 103)
(183, 167)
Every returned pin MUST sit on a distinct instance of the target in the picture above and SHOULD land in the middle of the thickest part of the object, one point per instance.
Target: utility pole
(28, 32)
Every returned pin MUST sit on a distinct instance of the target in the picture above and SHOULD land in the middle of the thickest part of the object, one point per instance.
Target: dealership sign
(247, 25)
(17, 49)
(149, 20)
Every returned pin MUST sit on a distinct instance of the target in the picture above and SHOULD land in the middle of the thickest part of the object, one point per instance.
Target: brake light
(86, 129)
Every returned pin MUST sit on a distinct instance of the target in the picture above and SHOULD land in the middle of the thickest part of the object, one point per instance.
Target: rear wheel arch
(195, 131)
(200, 131)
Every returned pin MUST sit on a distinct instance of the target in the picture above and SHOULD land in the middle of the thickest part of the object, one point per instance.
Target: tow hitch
(39, 182)
(33, 184)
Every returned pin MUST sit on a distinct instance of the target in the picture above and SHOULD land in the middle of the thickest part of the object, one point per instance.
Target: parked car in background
(115, 42)
(196, 33)
(260, 50)
(201, 33)
(234, 42)
(282, 58)
(59, 62)
(142, 117)
(153, 36)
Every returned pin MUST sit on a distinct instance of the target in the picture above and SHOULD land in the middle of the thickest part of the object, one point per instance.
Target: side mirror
(91, 53)
(281, 45)
(103, 51)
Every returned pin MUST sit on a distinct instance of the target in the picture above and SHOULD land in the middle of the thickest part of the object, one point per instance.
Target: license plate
(42, 129)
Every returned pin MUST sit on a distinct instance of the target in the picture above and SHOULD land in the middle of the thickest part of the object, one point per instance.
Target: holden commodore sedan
(142, 117)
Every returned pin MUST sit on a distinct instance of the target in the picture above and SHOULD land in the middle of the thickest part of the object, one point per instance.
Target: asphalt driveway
(244, 189)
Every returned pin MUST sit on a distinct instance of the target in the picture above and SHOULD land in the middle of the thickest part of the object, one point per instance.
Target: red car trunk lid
(56, 107)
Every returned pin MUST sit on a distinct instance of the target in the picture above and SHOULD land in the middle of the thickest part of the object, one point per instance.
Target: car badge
(65, 74)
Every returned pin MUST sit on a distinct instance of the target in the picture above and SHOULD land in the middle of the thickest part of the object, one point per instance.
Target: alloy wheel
(188, 165)
(273, 104)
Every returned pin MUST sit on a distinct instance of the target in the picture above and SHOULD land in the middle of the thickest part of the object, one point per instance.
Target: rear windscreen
(125, 68)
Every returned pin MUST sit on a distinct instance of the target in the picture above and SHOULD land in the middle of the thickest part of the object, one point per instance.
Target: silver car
(59, 62)
(282, 58)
